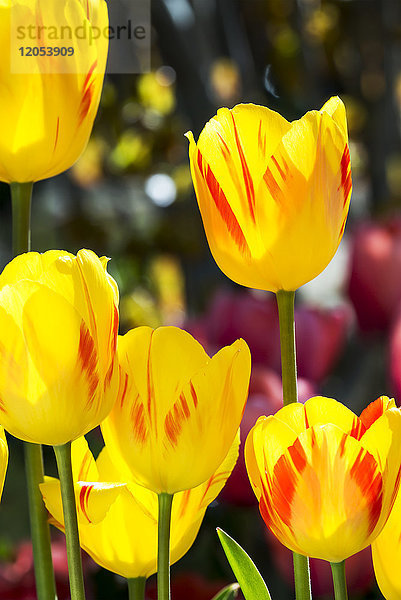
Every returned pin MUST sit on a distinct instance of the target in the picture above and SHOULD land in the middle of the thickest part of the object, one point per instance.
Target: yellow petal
(3, 459)
(93, 500)
(336, 109)
(43, 137)
(166, 417)
(83, 464)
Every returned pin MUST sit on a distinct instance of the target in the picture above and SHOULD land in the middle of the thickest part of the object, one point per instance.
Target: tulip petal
(375, 410)
(320, 410)
(93, 499)
(3, 459)
(164, 419)
(83, 464)
(301, 487)
(336, 109)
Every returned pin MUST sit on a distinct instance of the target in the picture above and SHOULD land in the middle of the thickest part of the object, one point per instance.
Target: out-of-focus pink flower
(395, 358)
(17, 579)
(358, 568)
(375, 282)
(320, 334)
(265, 398)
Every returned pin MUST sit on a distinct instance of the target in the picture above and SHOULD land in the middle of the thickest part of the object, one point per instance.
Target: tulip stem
(42, 557)
(163, 547)
(136, 588)
(21, 194)
(63, 457)
(339, 580)
(285, 302)
(302, 577)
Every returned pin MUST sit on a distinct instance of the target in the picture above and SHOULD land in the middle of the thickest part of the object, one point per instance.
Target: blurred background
(130, 197)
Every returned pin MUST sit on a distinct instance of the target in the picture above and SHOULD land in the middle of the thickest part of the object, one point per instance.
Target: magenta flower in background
(375, 283)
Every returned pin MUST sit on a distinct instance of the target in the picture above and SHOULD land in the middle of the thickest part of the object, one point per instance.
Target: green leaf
(252, 585)
(230, 592)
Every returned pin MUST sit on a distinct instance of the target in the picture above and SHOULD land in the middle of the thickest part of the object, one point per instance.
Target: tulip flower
(273, 195)
(386, 554)
(326, 479)
(58, 368)
(177, 411)
(3, 459)
(124, 539)
(48, 103)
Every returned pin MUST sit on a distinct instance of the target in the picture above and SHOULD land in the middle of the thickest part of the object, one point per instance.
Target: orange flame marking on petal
(175, 418)
(283, 173)
(273, 187)
(286, 472)
(373, 411)
(89, 362)
(193, 394)
(346, 180)
(87, 94)
(365, 473)
(184, 502)
(261, 140)
(223, 206)
(83, 471)
(224, 148)
(83, 500)
(250, 192)
(306, 419)
(124, 392)
(358, 428)
(138, 421)
(57, 132)
(2, 406)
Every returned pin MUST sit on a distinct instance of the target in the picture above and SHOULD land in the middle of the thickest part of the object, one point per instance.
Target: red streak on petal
(223, 207)
(175, 419)
(365, 473)
(83, 471)
(57, 132)
(273, 187)
(87, 94)
(224, 148)
(138, 421)
(184, 502)
(124, 391)
(261, 139)
(346, 180)
(358, 428)
(193, 394)
(250, 192)
(83, 500)
(287, 470)
(2, 406)
(89, 362)
(373, 411)
(284, 173)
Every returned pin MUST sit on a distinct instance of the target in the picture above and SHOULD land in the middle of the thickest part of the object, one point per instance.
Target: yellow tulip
(3, 459)
(125, 541)
(326, 479)
(386, 554)
(273, 195)
(177, 411)
(58, 362)
(47, 113)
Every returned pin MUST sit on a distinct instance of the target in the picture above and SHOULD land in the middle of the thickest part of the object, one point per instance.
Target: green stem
(285, 302)
(44, 575)
(21, 194)
(339, 580)
(136, 588)
(301, 577)
(163, 547)
(63, 457)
